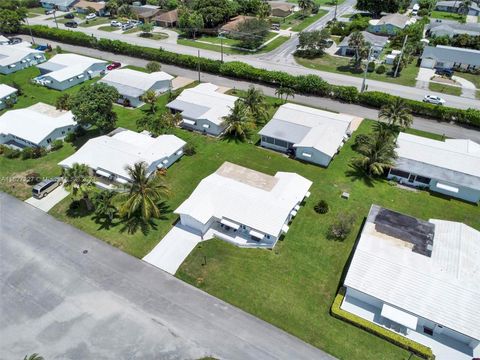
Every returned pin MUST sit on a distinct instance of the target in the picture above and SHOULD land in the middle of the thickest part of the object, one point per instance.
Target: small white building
(109, 155)
(18, 57)
(66, 70)
(310, 134)
(7, 93)
(203, 108)
(450, 167)
(245, 207)
(132, 84)
(419, 279)
(450, 57)
(36, 126)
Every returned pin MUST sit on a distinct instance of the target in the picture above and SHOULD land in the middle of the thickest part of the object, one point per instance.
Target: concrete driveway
(67, 295)
(48, 202)
(173, 249)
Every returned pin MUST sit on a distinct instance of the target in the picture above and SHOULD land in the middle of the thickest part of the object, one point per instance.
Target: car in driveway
(433, 99)
(90, 16)
(69, 16)
(45, 187)
(115, 23)
(49, 11)
(71, 24)
(444, 72)
(127, 26)
(114, 65)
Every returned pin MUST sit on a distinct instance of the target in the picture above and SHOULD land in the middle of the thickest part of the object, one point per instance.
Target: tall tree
(378, 153)
(112, 7)
(312, 43)
(190, 22)
(150, 97)
(251, 33)
(78, 179)
(358, 44)
(239, 124)
(256, 104)
(105, 209)
(376, 7)
(306, 5)
(125, 10)
(63, 102)
(214, 12)
(264, 10)
(397, 114)
(11, 20)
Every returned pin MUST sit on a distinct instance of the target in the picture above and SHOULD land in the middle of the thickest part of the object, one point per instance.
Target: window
(399, 173)
(428, 331)
(268, 140)
(281, 143)
(63, 132)
(423, 179)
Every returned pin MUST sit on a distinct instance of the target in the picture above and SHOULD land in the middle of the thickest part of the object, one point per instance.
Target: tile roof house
(377, 43)
(83, 5)
(418, 279)
(390, 24)
(454, 7)
(245, 207)
(450, 167)
(7, 93)
(167, 18)
(145, 13)
(281, 9)
(313, 135)
(18, 57)
(449, 57)
(233, 24)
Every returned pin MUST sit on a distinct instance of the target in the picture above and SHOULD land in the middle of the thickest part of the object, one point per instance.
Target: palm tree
(464, 7)
(150, 97)
(396, 114)
(378, 154)
(238, 123)
(357, 42)
(143, 196)
(305, 5)
(255, 102)
(288, 92)
(78, 179)
(125, 11)
(34, 356)
(105, 210)
(112, 7)
(264, 10)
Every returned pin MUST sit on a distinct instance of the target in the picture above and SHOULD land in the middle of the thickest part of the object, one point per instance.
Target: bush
(57, 144)
(397, 339)
(189, 150)
(381, 69)
(153, 66)
(342, 226)
(38, 152)
(371, 66)
(10, 153)
(33, 178)
(321, 207)
(80, 131)
(423, 12)
(27, 153)
(70, 137)
(3, 148)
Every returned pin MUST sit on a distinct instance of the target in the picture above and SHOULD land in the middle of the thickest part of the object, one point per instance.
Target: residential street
(280, 59)
(450, 130)
(67, 295)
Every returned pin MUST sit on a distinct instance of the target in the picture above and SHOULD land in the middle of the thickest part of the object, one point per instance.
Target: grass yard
(108, 28)
(36, 11)
(309, 21)
(342, 65)
(475, 79)
(447, 16)
(95, 22)
(154, 36)
(296, 21)
(131, 31)
(322, 2)
(445, 89)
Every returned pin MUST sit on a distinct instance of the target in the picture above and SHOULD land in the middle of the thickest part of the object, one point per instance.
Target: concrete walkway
(173, 249)
(468, 88)
(49, 201)
(471, 19)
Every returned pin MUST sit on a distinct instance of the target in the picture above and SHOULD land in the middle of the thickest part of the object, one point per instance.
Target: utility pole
(221, 46)
(366, 69)
(198, 65)
(335, 16)
(30, 29)
(55, 15)
(400, 56)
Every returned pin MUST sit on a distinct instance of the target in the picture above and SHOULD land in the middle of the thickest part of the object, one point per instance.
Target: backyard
(443, 15)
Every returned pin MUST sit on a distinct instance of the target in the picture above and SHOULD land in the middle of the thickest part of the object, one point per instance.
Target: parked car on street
(115, 23)
(71, 24)
(45, 187)
(114, 65)
(69, 16)
(432, 99)
(91, 16)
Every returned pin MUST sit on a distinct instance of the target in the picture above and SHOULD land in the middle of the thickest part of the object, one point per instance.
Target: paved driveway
(174, 248)
(48, 202)
(105, 304)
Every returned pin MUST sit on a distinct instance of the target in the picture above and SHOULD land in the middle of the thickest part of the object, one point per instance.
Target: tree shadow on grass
(78, 209)
(137, 223)
(357, 173)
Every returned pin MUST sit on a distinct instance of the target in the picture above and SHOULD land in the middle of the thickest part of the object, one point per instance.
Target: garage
(428, 63)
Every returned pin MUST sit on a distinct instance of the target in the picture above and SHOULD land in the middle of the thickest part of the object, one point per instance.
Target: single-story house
(4, 40)
(418, 279)
(310, 134)
(389, 24)
(232, 25)
(36, 126)
(63, 71)
(18, 57)
(167, 18)
(62, 5)
(245, 207)
(132, 84)
(449, 57)
(450, 167)
(82, 7)
(451, 29)
(454, 7)
(377, 43)
(145, 13)
(281, 8)
(203, 108)
(108, 156)
(7, 93)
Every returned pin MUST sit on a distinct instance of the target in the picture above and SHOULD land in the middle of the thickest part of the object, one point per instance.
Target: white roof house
(5, 93)
(17, 57)
(203, 107)
(3, 40)
(109, 155)
(310, 131)
(37, 125)
(451, 166)
(258, 204)
(422, 273)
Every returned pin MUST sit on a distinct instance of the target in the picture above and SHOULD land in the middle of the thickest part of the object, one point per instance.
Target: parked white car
(432, 99)
(91, 16)
(115, 23)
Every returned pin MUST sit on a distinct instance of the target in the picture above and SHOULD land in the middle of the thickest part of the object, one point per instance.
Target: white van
(45, 187)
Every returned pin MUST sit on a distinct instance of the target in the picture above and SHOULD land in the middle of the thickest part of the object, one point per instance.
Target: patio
(235, 237)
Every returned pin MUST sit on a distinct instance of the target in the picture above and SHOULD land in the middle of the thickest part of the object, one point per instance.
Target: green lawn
(36, 11)
(296, 21)
(447, 16)
(309, 21)
(154, 36)
(108, 28)
(322, 2)
(342, 65)
(475, 79)
(131, 31)
(445, 89)
(96, 21)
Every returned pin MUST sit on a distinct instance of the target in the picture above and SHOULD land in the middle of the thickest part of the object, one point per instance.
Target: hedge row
(303, 84)
(399, 340)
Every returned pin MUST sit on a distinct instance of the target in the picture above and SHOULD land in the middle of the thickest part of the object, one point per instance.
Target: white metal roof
(454, 154)
(319, 129)
(70, 65)
(34, 123)
(10, 54)
(135, 79)
(247, 197)
(3, 39)
(443, 287)
(125, 148)
(216, 105)
(6, 90)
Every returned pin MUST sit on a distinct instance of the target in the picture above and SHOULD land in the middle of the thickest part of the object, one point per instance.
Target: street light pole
(221, 46)
(198, 66)
(366, 69)
(29, 28)
(55, 15)
(335, 16)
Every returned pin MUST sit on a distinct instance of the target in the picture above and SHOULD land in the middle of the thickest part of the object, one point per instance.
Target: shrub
(153, 66)
(423, 12)
(33, 178)
(321, 207)
(10, 153)
(397, 339)
(371, 66)
(341, 227)
(38, 152)
(380, 69)
(189, 150)
(27, 153)
(3, 148)
(57, 144)
(70, 137)
(80, 131)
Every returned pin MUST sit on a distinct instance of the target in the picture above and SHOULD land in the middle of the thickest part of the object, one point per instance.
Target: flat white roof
(10, 54)
(204, 102)
(135, 79)
(6, 90)
(443, 287)
(69, 65)
(309, 127)
(124, 148)
(244, 196)
(34, 123)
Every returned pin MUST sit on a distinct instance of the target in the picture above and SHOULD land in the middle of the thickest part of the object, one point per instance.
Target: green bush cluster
(397, 339)
(303, 84)
(33, 152)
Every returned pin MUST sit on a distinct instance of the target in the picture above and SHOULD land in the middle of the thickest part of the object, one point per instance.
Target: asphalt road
(442, 128)
(63, 303)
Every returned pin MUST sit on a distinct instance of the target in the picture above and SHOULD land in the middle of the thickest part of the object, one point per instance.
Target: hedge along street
(305, 84)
